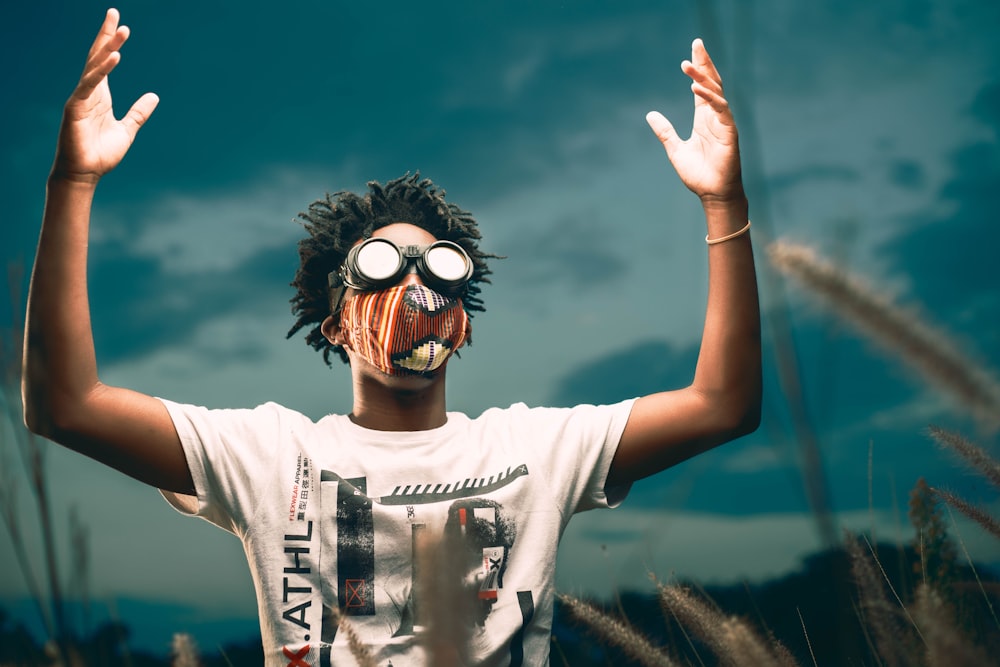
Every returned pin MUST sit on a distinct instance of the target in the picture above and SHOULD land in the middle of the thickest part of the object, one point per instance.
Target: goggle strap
(337, 287)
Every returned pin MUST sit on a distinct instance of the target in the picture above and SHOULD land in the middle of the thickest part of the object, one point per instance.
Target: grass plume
(925, 349)
(730, 638)
(892, 639)
(616, 633)
(975, 456)
(946, 645)
(445, 608)
(985, 520)
(184, 651)
(356, 645)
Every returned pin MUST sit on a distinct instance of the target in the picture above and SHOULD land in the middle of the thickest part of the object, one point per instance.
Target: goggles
(378, 263)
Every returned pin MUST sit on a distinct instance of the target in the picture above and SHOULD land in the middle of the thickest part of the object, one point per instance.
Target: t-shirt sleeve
(574, 448)
(228, 453)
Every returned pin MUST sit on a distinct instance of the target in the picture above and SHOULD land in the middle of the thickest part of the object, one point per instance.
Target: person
(332, 513)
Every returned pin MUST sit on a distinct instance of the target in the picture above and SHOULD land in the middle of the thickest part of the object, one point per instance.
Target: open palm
(708, 162)
(91, 140)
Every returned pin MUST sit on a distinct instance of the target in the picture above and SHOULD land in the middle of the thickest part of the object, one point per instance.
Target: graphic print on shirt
(300, 490)
(478, 532)
(481, 536)
(299, 559)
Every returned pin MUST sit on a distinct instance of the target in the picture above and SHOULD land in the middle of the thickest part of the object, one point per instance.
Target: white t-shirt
(329, 514)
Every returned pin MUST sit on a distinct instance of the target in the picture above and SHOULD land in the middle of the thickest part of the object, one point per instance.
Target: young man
(331, 512)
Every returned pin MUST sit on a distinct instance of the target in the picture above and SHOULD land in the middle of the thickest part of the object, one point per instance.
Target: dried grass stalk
(974, 455)
(616, 633)
(184, 651)
(446, 607)
(730, 638)
(805, 633)
(32, 452)
(893, 641)
(946, 645)
(977, 514)
(929, 351)
(359, 650)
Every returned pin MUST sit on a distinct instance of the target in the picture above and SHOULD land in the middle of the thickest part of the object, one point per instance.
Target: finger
(102, 59)
(712, 97)
(104, 56)
(95, 74)
(663, 129)
(140, 113)
(108, 29)
(110, 45)
(110, 39)
(702, 76)
(699, 55)
(701, 68)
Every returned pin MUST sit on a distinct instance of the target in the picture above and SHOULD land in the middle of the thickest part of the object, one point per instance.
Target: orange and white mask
(406, 329)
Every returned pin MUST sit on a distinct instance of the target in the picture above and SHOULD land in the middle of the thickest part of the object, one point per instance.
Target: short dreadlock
(336, 222)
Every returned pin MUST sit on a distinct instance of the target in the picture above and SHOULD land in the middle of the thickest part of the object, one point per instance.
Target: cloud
(755, 458)
(219, 231)
(604, 552)
(640, 369)
(137, 308)
(986, 106)
(160, 270)
(897, 43)
(907, 174)
(948, 255)
(574, 250)
(816, 172)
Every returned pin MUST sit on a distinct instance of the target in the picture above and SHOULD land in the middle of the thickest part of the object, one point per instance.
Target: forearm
(729, 363)
(60, 367)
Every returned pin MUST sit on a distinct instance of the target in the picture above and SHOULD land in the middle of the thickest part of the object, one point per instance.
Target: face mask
(406, 329)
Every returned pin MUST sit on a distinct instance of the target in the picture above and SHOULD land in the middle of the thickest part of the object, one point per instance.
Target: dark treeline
(814, 611)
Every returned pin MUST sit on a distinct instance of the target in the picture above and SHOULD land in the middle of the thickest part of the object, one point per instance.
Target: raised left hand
(708, 162)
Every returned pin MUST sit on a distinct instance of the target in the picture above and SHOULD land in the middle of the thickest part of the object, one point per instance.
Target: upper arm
(666, 428)
(126, 430)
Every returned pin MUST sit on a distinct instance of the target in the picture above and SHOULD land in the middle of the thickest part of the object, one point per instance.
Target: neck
(409, 403)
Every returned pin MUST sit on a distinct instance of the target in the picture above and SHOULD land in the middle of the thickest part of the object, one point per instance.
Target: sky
(869, 132)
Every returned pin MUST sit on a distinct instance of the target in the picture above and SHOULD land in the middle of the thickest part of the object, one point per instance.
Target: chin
(414, 377)
(411, 380)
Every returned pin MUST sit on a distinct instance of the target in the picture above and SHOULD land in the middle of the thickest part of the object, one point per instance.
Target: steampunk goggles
(378, 263)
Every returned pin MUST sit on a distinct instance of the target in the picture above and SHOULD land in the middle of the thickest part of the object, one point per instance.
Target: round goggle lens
(446, 262)
(378, 260)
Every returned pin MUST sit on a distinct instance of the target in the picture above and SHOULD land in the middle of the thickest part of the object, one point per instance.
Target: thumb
(663, 129)
(140, 113)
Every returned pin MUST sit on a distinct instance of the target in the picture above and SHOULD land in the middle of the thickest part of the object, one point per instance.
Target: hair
(336, 222)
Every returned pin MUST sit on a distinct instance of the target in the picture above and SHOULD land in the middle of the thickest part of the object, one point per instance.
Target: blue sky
(869, 132)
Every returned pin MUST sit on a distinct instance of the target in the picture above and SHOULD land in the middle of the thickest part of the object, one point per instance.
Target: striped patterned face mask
(406, 329)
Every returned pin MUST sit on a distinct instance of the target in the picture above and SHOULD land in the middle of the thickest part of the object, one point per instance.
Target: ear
(332, 331)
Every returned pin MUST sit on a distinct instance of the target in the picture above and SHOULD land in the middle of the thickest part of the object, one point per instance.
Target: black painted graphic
(355, 549)
(436, 492)
(477, 531)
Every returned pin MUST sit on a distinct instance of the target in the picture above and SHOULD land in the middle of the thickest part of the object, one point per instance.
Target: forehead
(403, 233)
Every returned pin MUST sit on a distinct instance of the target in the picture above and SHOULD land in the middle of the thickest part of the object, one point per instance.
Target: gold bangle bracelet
(729, 236)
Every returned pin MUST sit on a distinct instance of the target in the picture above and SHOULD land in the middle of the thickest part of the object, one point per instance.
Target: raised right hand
(64, 399)
(91, 141)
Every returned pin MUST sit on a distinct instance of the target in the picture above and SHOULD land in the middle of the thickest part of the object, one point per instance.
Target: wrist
(61, 178)
(732, 204)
